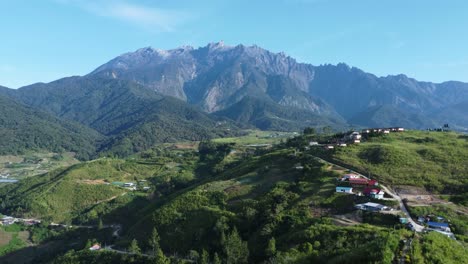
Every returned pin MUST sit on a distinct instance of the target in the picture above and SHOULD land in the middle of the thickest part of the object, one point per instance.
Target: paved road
(416, 226)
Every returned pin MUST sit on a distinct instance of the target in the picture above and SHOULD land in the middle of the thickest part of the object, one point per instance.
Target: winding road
(417, 227)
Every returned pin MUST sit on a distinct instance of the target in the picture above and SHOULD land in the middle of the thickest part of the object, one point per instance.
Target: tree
(271, 247)
(235, 249)
(160, 258)
(205, 257)
(154, 240)
(134, 248)
(100, 224)
(327, 130)
(216, 259)
(309, 131)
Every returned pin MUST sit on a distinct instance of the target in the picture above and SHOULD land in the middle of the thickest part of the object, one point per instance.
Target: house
(386, 131)
(313, 143)
(354, 136)
(439, 226)
(344, 189)
(373, 207)
(397, 129)
(128, 184)
(299, 167)
(329, 147)
(358, 181)
(95, 247)
(366, 131)
(8, 220)
(341, 145)
(31, 222)
(373, 183)
(374, 193)
(146, 188)
(350, 176)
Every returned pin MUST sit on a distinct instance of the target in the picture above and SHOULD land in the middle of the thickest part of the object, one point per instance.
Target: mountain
(130, 116)
(390, 116)
(23, 128)
(267, 115)
(217, 76)
(454, 114)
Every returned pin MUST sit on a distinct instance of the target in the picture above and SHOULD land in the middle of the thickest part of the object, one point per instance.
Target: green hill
(243, 206)
(131, 117)
(24, 129)
(434, 160)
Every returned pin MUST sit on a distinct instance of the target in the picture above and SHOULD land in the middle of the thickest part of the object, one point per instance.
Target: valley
(270, 195)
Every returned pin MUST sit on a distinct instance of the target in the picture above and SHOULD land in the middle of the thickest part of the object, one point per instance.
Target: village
(353, 183)
(355, 137)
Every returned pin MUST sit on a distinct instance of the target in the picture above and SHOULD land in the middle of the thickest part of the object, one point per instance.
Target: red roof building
(373, 183)
(369, 190)
(358, 181)
(375, 193)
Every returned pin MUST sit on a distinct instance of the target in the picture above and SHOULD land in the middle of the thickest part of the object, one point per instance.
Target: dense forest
(96, 117)
(24, 129)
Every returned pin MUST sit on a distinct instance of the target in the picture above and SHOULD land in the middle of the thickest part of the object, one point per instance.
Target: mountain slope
(454, 114)
(267, 115)
(390, 116)
(23, 128)
(217, 76)
(131, 116)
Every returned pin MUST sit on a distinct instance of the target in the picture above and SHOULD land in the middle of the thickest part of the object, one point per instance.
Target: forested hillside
(25, 129)
(224, 202)
(131, 117)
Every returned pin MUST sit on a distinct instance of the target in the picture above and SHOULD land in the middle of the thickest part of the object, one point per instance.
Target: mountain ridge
(217, 76)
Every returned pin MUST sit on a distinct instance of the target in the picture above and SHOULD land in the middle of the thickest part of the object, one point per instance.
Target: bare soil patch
(347, 219)
(5, 238)
(92, 182)
(418, 196)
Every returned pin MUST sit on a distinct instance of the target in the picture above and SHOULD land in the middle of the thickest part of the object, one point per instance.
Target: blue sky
(43, 40)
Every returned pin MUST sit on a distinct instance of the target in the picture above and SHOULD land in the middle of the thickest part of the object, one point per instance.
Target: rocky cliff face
(218, 76)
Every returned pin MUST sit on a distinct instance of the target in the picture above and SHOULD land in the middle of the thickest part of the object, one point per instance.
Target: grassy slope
(435, 160)
(63, 194)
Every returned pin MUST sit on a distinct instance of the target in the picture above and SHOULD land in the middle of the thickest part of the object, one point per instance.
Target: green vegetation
(128, 118)
(24, 129)
(434, 160)
(32, 164)
(266, 114)
(216, 205)
(253, 137)
(10, 239)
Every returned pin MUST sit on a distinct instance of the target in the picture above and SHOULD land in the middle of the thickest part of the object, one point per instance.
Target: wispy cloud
(147, 17)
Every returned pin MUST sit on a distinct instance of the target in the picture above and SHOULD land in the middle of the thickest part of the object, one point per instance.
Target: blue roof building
(437, 225)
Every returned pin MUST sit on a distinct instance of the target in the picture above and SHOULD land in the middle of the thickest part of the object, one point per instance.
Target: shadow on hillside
(43, 253)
